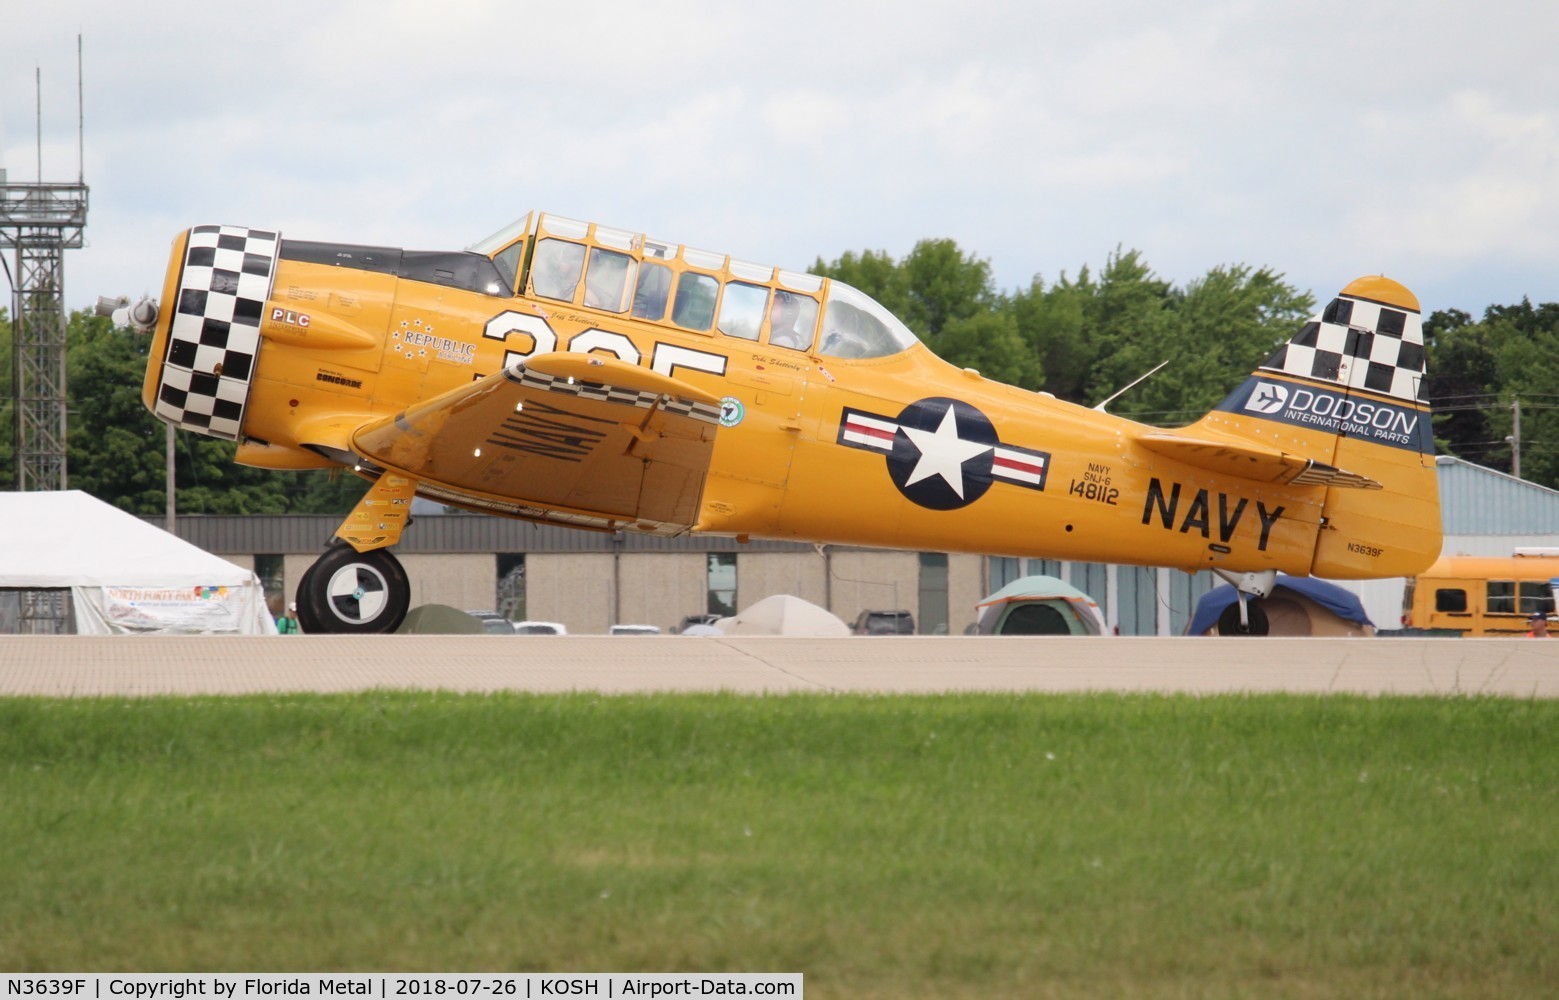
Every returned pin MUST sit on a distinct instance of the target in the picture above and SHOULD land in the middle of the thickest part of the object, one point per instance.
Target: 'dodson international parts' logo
(1269, 397)
(943, 453)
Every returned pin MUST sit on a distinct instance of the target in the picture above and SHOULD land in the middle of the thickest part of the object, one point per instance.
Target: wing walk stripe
(615, 394)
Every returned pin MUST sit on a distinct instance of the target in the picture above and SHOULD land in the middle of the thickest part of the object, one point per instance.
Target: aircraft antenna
(1131, 385)
(81, 120)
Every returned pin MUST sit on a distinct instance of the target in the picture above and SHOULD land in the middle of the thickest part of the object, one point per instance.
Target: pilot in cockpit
(783, 316)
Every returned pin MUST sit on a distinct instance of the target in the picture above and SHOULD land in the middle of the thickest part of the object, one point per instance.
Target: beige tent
(72, 563)
(783, 614)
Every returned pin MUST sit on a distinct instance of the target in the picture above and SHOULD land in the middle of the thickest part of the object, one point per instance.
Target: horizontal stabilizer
(1252, 461)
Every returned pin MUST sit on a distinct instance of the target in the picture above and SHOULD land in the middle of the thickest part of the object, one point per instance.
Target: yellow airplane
(567, 372)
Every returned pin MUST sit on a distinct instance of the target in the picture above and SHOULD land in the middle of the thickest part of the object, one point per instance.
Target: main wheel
(305, 614)
(354, 592)
(1229, 621)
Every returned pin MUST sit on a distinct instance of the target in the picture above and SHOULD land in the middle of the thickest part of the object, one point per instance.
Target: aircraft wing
(573, 438)
(1253, 461)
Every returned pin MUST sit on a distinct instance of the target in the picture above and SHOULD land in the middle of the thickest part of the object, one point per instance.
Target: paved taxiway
(155, 665)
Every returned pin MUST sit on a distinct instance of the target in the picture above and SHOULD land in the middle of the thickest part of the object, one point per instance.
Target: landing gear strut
(1245, 617)
(353, 592)
(1254, 623)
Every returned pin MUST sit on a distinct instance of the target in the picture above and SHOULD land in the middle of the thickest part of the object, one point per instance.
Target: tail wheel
(1229, 622)
(354, 592)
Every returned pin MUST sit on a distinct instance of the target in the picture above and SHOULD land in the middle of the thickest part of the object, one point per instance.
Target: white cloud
(1322, 139)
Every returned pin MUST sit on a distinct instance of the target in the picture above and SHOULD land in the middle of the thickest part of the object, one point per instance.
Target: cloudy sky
(1324, 140)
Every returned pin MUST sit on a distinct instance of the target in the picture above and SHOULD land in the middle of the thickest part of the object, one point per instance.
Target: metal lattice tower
(40, 221)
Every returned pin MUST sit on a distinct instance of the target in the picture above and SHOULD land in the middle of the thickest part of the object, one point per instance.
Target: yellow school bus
(1483, 595)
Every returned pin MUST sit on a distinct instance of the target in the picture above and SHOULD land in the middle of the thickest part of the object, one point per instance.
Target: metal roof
(1476, 500)
(443, 533)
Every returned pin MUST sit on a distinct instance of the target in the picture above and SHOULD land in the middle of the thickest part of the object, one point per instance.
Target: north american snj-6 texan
(574, 374)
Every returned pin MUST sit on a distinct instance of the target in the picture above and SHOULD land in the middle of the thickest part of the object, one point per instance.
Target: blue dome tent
(1298, 605)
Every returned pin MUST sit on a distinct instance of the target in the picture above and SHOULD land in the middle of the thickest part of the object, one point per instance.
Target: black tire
(352, 592)
(305, 614)
(1229, 621)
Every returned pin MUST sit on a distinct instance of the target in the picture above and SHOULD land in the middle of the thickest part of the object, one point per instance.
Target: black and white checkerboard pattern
(216, 328)
(1361, 345)
(613, 394)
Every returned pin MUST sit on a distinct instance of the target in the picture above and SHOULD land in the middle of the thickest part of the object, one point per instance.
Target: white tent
(783, 614)
(124, 575)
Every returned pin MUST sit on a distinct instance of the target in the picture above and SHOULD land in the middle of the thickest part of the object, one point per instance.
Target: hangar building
(590, 580)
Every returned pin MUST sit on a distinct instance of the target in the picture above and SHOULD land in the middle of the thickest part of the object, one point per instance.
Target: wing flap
(573, 433)
(1253, 461)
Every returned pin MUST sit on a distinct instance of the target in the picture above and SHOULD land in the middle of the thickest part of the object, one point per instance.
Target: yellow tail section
(1343, 403)
(1393, 531)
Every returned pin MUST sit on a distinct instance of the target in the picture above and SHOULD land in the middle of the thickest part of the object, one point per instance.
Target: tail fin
(1343, 401)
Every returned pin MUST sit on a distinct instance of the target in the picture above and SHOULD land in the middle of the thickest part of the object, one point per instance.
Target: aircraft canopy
(854, 325)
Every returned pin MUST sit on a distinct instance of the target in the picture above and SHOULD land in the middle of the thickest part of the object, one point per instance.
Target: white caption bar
(397, 986)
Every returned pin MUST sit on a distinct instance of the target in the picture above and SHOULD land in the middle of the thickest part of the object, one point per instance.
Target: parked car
(884, 623)
(635, 630)
(493, 623)
(688, 621)
(540, 628)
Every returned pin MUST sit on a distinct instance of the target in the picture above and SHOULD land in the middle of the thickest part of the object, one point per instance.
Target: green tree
(1477, 372)
(1526, 340)
(944, 285)
(117, 450)
(1125, 317)
(989, 342)
(1216, 331)
(873, 272)
(1053, 323)
(114, 446)
(1083, 339)
(1462, 373)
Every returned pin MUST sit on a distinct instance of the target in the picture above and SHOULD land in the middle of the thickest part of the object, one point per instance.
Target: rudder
(1349, 389)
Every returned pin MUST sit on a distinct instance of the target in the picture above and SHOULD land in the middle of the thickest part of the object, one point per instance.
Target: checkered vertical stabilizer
(215, 330)
(1359, 344)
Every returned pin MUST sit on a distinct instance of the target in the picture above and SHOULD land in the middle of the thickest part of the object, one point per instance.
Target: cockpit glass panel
(652, 291)
(856, 326)
(620, 239)
(809, 283)
(792, 320)
(556, 268)
(750, 272)
(694, 305)
(741, 309)
(557, 225)
(607, 280)
(508, 264)
(703, 258)
(502, 238)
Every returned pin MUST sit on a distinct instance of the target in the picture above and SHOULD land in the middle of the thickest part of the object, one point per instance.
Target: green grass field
(973, 846)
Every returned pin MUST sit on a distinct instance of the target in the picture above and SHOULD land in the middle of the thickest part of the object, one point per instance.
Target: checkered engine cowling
(215, 331)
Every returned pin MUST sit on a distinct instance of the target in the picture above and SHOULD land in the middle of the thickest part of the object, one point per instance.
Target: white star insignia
(943, 453)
